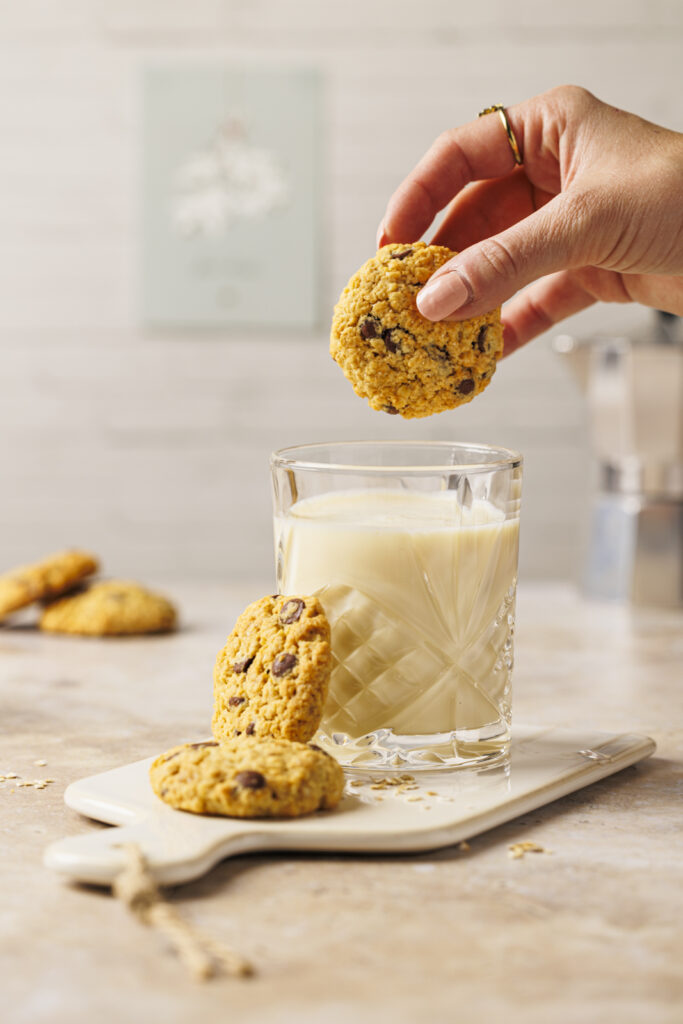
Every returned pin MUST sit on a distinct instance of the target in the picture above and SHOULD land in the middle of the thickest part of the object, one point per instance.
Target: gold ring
(514, 146)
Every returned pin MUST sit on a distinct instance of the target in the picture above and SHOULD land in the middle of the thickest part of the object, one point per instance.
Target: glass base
(384, 750)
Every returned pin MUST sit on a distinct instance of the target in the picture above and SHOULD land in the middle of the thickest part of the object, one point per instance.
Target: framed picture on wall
(231, 168)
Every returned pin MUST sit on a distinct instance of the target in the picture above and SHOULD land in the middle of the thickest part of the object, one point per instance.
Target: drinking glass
(411, 547)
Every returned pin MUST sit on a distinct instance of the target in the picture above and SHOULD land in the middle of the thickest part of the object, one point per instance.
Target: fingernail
(442, 297)
(381, 235)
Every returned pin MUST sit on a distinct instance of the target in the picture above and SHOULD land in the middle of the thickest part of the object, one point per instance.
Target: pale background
(152, 448)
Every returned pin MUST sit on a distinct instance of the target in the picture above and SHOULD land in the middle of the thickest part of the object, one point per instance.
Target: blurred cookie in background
(110, 608)
(45, 580)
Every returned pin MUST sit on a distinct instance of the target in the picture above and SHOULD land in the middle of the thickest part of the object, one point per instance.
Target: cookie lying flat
(110, 608)
(272, 676)
(248, 778)
(45, 579)
(394, 357)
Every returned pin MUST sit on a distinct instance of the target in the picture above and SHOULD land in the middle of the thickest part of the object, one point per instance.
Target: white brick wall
(153, 447)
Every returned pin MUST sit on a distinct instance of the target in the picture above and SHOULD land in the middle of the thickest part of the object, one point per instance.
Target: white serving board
(546, 763)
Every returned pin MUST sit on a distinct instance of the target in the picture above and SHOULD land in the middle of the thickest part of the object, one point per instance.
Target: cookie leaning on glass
(272, 676)
(394, 357)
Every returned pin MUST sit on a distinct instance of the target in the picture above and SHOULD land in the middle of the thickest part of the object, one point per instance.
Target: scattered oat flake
(517, 850)
(33, 783)
(11, 775)
(355, 782)
(432, 792)
(412, 799)
(40, 763)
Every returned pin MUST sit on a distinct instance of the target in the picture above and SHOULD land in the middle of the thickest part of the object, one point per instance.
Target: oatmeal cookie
(401, 362)
(44, 580)
(110, 608)
(248, 777)
(272, 676)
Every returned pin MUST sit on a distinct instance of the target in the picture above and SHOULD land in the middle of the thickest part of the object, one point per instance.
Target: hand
(594, 213)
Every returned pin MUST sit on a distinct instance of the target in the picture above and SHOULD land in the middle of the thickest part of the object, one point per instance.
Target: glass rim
(293, 456)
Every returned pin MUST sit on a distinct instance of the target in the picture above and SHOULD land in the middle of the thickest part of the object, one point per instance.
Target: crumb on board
(404, 786)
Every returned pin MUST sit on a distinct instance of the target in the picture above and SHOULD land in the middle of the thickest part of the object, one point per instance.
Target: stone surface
(588, 933)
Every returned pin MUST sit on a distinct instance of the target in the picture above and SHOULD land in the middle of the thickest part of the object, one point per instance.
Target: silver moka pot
(634, 391)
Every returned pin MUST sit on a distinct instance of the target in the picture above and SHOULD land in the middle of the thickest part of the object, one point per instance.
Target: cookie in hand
(400, 361)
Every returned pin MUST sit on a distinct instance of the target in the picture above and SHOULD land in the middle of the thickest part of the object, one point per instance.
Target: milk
(419, 591)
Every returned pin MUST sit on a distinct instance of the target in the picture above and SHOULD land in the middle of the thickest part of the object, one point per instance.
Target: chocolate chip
(391, 409)
(250, 780)
(439, 352)
(391, 345)
(283, 664)
(401, 255)
(242, 666)
(250, 729)
(465, 386)
(479, 343)
(206, 743)
(397, 339)
(235, 702)
(291, 611)
(171, 756)
(369, 327)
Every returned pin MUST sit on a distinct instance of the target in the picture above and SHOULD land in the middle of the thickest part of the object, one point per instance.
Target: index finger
(472, 152)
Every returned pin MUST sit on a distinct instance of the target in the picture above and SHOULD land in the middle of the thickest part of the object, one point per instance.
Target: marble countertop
(590, 933)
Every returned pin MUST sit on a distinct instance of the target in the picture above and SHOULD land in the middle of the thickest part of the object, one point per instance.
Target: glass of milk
(411, 548)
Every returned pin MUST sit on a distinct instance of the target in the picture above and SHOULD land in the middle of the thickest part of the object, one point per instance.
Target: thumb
(563, 234)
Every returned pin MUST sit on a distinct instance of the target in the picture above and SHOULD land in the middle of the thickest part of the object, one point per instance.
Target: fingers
(475, 151)
(567, 233)
(541, 306)
(553, 298)
(488, 207)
